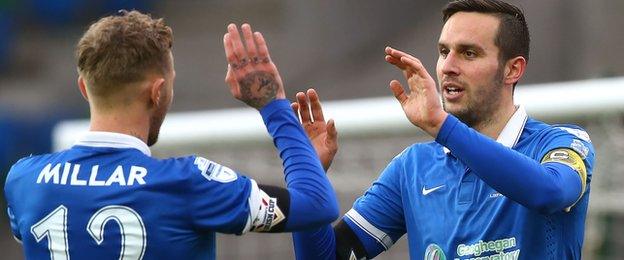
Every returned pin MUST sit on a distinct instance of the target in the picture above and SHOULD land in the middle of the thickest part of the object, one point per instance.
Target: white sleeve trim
(264, 213)
(384, 239)
(254, 203)
(17, 239)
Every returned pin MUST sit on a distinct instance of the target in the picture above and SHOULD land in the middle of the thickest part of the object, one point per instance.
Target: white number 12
(133, 236)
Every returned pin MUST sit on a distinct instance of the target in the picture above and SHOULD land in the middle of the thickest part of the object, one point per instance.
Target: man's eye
(444, 52)
(471, 54)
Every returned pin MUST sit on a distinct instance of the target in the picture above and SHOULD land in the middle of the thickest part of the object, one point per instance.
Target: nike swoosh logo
(426, 191)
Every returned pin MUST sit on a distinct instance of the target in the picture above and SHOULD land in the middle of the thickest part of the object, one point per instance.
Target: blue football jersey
(448, 212)
(107, 198)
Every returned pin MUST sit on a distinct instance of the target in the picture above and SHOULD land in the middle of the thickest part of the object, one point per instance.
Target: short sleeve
(377, 217)
(219, 197)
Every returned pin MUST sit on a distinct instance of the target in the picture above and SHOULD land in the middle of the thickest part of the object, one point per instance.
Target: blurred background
(333, 46)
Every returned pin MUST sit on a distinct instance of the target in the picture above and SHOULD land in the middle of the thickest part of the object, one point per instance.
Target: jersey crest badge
(214, 171)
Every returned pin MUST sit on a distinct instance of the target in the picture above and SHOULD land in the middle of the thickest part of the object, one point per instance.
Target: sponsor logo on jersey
(214, 171)
(426, 191)
(494, 249)
(434, 252)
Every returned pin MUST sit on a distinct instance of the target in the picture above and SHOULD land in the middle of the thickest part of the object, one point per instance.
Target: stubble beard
(152, 137)
(155, 123)
(481, 105)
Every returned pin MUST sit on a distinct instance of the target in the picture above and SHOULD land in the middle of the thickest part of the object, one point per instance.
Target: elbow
(320, 215)
(324, 202)
(325, 218)
(555, 196)
(317, 208)
(550, 201)
(333, 212)
(562, 191)
(330, 211)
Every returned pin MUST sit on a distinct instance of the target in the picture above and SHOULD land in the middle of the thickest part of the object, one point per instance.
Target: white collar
(114, 140)
(512, 130)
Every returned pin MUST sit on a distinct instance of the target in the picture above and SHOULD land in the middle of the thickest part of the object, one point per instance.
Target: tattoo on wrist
(258, 88)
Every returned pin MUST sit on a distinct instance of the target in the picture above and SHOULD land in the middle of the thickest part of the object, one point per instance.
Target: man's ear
(157, 88)
(83, 88)
(514, 69)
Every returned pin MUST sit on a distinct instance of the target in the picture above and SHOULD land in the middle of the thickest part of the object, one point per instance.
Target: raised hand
(252, 76)
(323, 135)
(422, 104)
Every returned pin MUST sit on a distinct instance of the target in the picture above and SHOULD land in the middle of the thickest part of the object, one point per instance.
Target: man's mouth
(452, 91)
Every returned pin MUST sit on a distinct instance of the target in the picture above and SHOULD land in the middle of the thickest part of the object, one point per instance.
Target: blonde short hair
(121, 49)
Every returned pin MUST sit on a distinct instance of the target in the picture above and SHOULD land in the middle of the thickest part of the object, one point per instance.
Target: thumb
(332, 134)
(231, 81)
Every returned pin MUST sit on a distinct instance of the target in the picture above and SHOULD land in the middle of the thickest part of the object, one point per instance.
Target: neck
(497, 121)
(123, 122)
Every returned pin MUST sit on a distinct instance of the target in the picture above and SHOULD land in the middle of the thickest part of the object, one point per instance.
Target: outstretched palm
(323, 135)
(252, 76)
(422, 104)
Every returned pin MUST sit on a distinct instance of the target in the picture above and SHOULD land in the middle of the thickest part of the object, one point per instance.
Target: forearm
(545, 187)
(312, 198)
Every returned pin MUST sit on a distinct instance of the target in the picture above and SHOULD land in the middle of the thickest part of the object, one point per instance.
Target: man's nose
(450, 65)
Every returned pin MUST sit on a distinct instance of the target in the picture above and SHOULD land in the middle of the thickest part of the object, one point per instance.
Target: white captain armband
(573, 160)
(268, 208)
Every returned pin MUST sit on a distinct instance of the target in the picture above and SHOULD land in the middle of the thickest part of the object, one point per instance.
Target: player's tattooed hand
(252, 76)
(258, 88)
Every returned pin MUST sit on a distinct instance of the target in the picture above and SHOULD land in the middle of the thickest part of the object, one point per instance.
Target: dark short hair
(122, 49)
(512, 38)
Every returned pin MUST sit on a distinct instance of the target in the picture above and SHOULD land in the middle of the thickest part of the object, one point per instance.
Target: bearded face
(469, 70)
(480, 103)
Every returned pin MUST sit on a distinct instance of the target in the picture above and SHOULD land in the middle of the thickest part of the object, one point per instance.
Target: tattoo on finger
(258, 60)
(243, 62)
